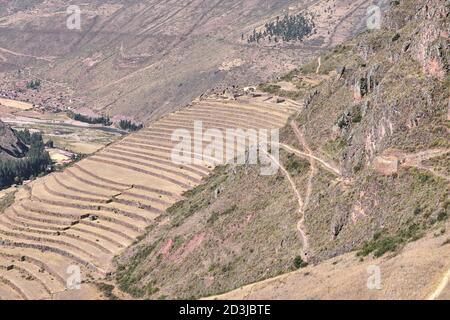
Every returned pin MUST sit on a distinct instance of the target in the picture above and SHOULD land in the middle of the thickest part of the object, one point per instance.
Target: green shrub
(151, 290)
(34, 84)
(130, 126)
(91, 120)
(299, 263)
(387, 244)
(442, 216)
(381, 244)
(107, 290)
(295, 165)
(269, 88)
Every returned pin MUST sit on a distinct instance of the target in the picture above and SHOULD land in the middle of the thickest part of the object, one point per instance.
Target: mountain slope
(144, 58)
(368, 155)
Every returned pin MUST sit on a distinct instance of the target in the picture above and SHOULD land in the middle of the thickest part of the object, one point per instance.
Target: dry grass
(16, 104)
(6, 199)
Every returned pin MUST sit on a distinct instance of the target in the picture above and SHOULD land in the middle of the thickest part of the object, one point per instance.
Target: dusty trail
(331, 168)
(319, 62)
(312, 162)
(301, 206)
(313, 171)
(303, 203)
(416, 159)
(18, 54)
(440, 287)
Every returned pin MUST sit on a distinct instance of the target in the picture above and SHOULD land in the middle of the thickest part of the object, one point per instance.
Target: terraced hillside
(90, 212)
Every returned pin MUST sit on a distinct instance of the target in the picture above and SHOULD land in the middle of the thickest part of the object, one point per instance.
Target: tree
(128, 125)
(34, 84)
(36, 162)
(289, 28)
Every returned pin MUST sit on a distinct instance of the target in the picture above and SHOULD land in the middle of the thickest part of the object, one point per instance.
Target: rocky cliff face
(10, 145)
(430, 47)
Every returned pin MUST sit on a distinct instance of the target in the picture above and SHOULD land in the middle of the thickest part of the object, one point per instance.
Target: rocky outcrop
(433, 38)
(10, 145)
(365, 82)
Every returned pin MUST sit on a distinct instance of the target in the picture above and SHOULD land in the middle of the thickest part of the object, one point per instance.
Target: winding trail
(18, 54)
(330, 167)
(302, 141)
(319, 64)
(440, 287)
(313, 171)
(416, 159)
(312, 162)
(301, 205)
(309, 188)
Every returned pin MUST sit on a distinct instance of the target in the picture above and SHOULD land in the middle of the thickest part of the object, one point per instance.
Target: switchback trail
(331, 168)
(301, 205)
(319, 64)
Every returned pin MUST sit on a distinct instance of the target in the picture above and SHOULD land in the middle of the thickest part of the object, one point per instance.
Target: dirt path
(301, 205)
(440, 287)
(319, 62)
(302, 141)
(313, 171)
(330, 167)
(48, 59)
(416, 159)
